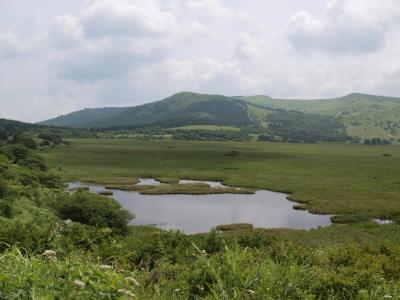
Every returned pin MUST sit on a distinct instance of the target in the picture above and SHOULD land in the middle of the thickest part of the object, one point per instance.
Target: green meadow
(327, 178)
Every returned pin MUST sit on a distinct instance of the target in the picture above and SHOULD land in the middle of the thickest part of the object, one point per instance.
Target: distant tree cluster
(299, 127)
(210, 135)
(376, 141)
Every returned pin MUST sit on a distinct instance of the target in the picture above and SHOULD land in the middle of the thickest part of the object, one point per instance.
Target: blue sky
(60, 56)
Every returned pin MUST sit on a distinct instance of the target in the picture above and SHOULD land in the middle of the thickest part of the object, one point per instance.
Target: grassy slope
(79, 118)
(364, 115)
(331, 178)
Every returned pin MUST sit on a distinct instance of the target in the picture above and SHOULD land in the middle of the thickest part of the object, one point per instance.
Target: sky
(60, 56)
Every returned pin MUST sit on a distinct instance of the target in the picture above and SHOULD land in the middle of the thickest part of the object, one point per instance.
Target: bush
(31, 235)
(6, 151)
(24, 140)
(6, 208)
(51, 180)
(19, 152)
(233, 153)
(95, 210)
(33, 162)
(214, 242)
(3, 189)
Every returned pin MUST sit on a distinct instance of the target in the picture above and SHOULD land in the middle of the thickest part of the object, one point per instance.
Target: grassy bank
(328, 178)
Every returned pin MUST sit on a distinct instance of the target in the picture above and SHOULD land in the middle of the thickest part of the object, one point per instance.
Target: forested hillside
(364, 116)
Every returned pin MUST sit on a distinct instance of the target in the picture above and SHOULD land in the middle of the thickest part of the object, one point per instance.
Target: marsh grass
(300, 207)
(112, 180)
(106, 193)
(348, 219)
(232, 227)
(188, 189)
(192, 189)
(328, 178)
(168, 180)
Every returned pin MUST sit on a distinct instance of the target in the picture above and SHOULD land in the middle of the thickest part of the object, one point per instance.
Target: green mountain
(355, 115)
(179, 109)
(363, 115)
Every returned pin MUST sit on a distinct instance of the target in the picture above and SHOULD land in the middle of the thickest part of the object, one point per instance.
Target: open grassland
(328, 178)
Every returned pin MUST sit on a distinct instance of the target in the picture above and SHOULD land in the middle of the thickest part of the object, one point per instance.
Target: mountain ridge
(362, 115)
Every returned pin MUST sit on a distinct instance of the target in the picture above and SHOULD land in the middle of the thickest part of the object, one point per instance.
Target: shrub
(233, 153)
(27, 177)
(6, 208)
(19, 152)
(3, 189)
(31, 235)
(24, 140)
(95, 210)
(33, 162)
(7, 152)
(50, 180)
(214, 242)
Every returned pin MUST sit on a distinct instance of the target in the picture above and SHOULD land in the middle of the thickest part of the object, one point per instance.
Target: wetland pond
(201, 213)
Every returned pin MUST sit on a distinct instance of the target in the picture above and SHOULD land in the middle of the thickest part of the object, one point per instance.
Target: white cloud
(132, 18)
(66, 33)
(10, 44)
(348, 27)
(217, 10)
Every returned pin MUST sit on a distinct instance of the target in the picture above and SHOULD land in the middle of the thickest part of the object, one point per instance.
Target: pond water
(201, 213)
(148, 181)
(382, 221)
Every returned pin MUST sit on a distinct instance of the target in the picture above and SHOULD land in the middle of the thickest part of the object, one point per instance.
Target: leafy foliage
(95, 210)
(376, 141)
(210, 135)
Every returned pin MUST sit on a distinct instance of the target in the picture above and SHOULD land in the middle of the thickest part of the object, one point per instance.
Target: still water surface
(200, 213)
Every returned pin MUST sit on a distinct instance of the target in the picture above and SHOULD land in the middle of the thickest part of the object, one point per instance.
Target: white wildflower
(105, 267)
(79, 284)
(177, 290)
(50, 254)
(132, 280)
(127, 293)
(251, 292)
